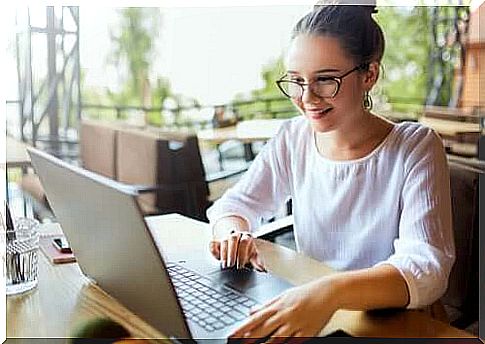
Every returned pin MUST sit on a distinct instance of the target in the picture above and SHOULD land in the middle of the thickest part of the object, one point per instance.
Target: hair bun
(366, 6)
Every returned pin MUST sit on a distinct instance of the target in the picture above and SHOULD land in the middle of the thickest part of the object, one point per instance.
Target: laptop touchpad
(261, 286)
(241, 280)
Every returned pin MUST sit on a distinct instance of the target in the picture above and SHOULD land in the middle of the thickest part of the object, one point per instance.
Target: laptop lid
(111, 242)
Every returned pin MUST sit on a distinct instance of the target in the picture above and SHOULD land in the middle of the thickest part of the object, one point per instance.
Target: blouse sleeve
(262, 189)
(424, 252)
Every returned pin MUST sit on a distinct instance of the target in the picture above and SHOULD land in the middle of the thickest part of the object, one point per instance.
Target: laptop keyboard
(210, 308)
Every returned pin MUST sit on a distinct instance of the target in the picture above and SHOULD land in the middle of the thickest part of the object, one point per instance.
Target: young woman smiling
(370, 198)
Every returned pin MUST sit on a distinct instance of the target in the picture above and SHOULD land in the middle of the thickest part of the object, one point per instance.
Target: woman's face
(313, 57)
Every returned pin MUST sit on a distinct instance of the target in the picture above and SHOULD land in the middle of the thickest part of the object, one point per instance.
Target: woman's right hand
(237, 249)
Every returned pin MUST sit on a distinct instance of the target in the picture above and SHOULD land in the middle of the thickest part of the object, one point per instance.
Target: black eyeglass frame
(337, 79)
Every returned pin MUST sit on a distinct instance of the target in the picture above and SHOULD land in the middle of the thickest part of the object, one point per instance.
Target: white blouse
(391, 207)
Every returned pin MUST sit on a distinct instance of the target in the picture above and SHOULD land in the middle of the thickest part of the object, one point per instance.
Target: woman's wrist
(228, 225)
(337, 289)
(330, 289)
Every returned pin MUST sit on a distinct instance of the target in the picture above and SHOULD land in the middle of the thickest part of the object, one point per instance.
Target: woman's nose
(308, 96)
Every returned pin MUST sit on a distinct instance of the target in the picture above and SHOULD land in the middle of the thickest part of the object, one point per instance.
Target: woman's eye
(323, 78)
(296, 79)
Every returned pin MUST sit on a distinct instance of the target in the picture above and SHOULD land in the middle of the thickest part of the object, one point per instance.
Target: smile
(317, 113)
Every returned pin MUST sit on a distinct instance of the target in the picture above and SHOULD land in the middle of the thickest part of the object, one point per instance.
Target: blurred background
(194, 70)
(172, 66)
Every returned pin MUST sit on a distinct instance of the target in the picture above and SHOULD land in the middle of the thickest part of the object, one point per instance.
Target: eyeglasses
(323, 87)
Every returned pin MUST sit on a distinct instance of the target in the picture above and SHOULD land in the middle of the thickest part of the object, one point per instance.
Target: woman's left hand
(299, 312)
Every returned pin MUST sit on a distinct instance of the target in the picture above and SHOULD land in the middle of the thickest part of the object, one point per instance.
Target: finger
(269, 326)
(232, 249)
(282, 335)
(266, 305)
(257, 263)
(253, 322)
(223, 255)
(215, 249)
(243, 251)
(256, 260)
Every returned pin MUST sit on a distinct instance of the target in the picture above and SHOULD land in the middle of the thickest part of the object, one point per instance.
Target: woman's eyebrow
(326, 70)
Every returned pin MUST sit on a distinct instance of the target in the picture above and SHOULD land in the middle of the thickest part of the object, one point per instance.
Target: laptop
(185, 299)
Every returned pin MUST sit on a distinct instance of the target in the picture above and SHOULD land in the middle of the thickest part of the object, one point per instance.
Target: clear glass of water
(22, 246)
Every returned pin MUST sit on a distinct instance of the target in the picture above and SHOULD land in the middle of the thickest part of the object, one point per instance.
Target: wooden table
(17, 156)
(450, 131)
(246, 132)
(450, 127)
(64, 297)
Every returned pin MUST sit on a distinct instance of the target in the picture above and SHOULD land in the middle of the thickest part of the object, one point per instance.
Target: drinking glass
(22, 246)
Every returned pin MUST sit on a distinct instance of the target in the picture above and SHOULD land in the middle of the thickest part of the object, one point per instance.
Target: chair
(166, 168)
(33, 191)
(462, 292)
(97, 145)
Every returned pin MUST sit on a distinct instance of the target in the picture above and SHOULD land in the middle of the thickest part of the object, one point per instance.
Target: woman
(370, 198)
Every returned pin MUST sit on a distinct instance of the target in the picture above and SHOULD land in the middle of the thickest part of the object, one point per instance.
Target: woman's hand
(237, 249)
(299, 312)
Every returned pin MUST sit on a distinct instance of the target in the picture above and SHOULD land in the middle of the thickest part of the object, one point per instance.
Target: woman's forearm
(372, 288)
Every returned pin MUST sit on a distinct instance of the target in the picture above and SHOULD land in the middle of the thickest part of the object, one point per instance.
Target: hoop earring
(368, 102)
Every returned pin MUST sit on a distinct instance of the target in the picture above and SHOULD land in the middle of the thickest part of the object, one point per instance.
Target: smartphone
(61, 245)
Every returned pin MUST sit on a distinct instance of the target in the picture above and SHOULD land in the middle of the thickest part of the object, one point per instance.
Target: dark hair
(352, 25)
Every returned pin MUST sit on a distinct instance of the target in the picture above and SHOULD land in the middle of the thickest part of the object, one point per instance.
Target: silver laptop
(114, 247)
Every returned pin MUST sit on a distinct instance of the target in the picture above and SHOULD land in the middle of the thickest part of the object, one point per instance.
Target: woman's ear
(371, 75)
